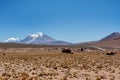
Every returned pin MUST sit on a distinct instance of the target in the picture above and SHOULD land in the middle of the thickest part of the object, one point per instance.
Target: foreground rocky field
(59, 66)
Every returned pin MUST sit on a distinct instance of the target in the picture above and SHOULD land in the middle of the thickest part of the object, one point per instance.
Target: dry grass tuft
(58, 66)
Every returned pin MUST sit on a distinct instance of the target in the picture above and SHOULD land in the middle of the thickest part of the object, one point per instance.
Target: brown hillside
(110, 41)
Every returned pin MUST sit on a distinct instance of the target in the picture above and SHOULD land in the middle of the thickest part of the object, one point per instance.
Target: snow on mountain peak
(34, 36)
(38, 34)
(37, 38)
(12, 40)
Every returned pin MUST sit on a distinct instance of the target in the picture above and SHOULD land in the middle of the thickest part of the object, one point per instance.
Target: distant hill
(110, 41)
(17, 45)
(113, 36)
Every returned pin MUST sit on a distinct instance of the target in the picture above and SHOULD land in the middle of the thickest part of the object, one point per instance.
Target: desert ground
(33, 64)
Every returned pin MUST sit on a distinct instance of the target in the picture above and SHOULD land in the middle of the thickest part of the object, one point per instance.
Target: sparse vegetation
(59, 66)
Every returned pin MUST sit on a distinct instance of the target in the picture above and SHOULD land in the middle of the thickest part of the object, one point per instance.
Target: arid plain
(51, 64)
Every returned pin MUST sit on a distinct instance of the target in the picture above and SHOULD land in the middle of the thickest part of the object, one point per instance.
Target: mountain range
(112, 40)
(38, 38)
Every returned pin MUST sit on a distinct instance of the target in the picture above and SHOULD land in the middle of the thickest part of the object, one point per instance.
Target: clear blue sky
(69, 20)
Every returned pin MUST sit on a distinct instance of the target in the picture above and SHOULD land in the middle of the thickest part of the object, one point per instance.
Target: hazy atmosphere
(68, 20)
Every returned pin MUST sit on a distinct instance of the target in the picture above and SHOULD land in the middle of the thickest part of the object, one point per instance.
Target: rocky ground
(59, 66)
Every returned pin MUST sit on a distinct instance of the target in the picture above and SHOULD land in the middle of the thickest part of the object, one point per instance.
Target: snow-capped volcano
(13, 40)
(38, 38)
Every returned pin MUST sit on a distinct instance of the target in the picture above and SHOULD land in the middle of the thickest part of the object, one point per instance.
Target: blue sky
(69, 20)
